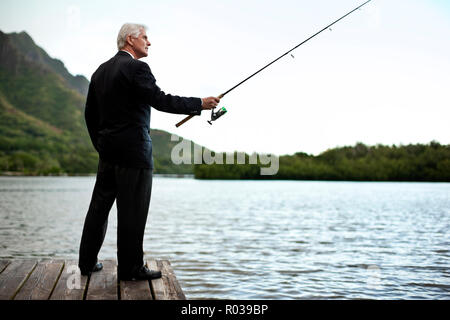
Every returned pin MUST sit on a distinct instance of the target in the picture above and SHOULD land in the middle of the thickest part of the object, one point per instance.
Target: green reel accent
(217, 115)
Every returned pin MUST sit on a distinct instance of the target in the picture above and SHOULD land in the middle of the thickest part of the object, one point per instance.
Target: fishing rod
(222, 111)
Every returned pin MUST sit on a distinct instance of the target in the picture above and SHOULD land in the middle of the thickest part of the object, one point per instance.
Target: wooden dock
(62, 280)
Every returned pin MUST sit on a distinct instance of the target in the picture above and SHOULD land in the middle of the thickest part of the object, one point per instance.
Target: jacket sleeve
(91, 115)
(145, 84)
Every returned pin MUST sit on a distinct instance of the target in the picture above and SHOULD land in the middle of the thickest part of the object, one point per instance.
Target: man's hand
(210, 103)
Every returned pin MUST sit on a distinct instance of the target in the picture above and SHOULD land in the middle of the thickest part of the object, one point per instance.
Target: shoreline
(21, 174)
(192, 176)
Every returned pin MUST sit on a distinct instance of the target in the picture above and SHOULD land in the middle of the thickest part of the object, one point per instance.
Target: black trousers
(131, 188)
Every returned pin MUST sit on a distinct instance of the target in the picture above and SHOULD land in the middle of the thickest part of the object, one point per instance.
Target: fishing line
(222, 111)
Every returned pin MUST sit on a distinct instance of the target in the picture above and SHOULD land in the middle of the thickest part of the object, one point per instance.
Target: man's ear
(129, 38)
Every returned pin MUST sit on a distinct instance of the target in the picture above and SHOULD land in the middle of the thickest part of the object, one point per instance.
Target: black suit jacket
(117, 113)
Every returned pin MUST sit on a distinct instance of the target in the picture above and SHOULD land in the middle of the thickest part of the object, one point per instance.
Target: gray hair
(127, 29)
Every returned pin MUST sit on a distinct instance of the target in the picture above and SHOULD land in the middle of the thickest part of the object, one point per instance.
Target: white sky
(381, 75)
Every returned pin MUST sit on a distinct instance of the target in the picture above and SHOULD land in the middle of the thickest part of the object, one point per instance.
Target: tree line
(414, 162)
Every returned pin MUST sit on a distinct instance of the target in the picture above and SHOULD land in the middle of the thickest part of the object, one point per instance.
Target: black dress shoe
(142, 273)
(98, 266)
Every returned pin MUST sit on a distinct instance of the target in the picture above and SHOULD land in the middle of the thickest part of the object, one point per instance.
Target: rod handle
(184, 120)
(191, 116)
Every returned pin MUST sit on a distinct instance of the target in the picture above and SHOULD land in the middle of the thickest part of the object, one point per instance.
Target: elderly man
(118, 120)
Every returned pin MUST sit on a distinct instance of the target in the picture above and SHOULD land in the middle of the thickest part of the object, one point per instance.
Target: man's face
(140, 45)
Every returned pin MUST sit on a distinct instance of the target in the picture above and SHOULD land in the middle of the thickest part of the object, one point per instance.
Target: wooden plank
(71, 284)
(175, 291)
(41, 282)
(14, 276)
(135, 290)
(103, 284)
(61, 280)
(3, 264)
(158, 288)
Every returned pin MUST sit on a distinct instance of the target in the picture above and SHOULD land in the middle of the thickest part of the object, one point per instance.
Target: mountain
(17, 47)
(42, 127)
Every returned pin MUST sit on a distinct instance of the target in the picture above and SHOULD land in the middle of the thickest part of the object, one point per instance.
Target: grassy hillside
(41, 114)
(29, 51)
(42, 127)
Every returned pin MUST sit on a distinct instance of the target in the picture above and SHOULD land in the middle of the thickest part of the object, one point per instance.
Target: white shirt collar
(128, 53)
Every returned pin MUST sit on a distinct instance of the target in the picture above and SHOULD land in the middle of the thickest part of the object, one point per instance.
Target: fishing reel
(216, 115)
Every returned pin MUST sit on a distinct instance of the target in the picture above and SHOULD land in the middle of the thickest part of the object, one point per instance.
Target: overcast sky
(382, 75)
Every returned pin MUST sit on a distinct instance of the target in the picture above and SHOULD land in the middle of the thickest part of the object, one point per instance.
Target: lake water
(257, 239)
